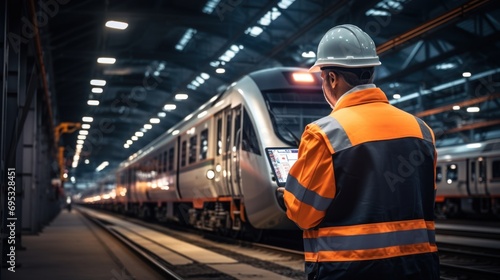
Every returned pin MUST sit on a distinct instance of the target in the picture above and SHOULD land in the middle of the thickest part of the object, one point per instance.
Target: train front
(289, 99)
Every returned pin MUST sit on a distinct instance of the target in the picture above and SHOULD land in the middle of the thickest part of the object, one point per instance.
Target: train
(468, 180)
(210, 171)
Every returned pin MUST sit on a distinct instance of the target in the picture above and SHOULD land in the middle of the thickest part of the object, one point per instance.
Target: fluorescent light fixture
(396, 96)
(205, 76)
(188, 117)
(309, 54)
(102, 166)
(97, 90)
(126, 146)
(185, 39)
(143, 129)
(79, 146)
(210, 6)
(85, 126)
(106, 60)
(181, 96)
(116, 24)
(148, 126)
(79, 141)
(254, 31)
(99, 83)
(83, 132)
(130, 142)
(139, 134)
(87, 119)
(175, 132)
(284, 4)
(162, 114)
(93, 102)
(134, 138)
(154, 120)
(82, 137)
(466, 74)
(456, 107)
(220, 70)
(269, 17)
(473, 109)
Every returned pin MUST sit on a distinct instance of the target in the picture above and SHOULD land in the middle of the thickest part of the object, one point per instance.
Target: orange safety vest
(363, 190)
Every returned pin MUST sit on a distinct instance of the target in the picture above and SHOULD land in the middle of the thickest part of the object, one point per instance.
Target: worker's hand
(280, 189)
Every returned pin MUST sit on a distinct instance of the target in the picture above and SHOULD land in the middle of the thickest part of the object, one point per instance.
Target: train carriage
(210, 170)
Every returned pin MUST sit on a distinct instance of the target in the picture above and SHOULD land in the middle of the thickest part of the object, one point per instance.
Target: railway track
(182, 255)
(469, 251)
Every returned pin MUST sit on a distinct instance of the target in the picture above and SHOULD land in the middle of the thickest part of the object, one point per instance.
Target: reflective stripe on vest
(370, 241)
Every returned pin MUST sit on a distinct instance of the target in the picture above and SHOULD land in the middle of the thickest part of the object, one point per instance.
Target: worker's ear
(331, 75)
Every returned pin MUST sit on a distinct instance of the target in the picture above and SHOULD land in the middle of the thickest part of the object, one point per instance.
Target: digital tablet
(281, 160)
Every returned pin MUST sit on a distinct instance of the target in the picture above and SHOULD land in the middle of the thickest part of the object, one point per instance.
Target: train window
(219, 136)
(165, 154)
(482, 170)
(192, 148)
(451, 173)
(495, 170)
(439, 174)
(250, 143)
(183, 153)
(203, 144)
(171, 159)
(472, 171)
(228, 132)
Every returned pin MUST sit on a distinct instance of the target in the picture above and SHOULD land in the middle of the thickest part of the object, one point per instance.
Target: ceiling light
(130, 142)
(205, 76)
(181, 96)
(106, 60)
(220, 70)
(83, 132)
(254, 31)
(134, 138)
(126, 146)
(87, 119)
(154, 120)
(210, 6)
(309, 54)
(139, 134)
(116, 24)
(143, 129)
(162, 114)
(80, 141)
(466, 74)
(148, 126)
(284, 4)
(97, 90)
(396, 96)
(85, 126)
(102, 166)
(456, 107)
(188, 117)
(473, 109)
(87, 161)
(97, 82)
(93, 102)
(175, 132)
(82, 137)
(169, 107)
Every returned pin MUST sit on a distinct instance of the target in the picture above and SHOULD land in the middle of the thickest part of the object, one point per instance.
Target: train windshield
(291, 111)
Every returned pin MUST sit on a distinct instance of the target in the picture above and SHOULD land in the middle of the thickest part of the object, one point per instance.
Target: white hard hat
(345, 46)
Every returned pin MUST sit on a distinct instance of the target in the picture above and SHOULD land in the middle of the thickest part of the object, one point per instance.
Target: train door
(477, 177)
(226, 153)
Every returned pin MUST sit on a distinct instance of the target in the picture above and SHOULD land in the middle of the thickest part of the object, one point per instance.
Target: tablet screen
(281, 160)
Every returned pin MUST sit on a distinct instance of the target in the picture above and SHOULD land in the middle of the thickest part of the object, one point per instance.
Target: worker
(363, 187)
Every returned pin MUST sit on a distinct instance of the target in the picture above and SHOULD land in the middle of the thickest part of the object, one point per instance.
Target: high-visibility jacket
(363, 191)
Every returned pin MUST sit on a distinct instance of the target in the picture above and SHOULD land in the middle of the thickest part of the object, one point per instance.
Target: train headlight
(210, 174)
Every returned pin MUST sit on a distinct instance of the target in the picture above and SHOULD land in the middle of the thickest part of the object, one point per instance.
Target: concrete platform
(72, 247)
